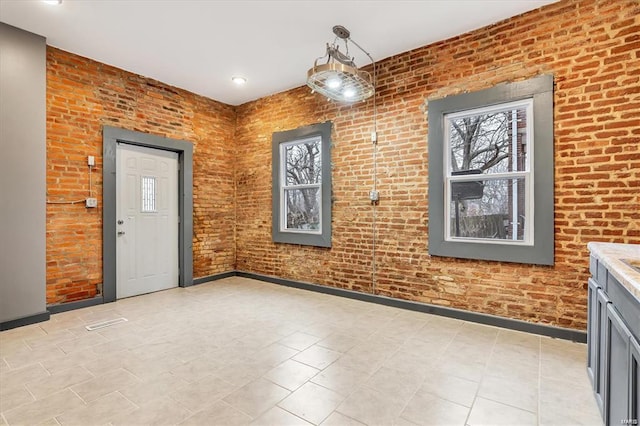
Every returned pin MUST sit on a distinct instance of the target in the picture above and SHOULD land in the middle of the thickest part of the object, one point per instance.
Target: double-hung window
(491, 173)
(488, 174)
(302, 186)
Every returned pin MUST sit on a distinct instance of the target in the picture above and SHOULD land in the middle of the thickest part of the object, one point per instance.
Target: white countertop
(611, 256)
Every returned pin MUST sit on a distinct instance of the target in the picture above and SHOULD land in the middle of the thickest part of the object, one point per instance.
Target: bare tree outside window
(491, 170)
(301, 185)
(302, 180)
(487, 173)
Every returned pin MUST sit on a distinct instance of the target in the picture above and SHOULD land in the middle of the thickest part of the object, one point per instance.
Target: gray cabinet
(602, 301)
(596, 340)
(613, 347)
(617, 372)
(634, 380)
(592, 331)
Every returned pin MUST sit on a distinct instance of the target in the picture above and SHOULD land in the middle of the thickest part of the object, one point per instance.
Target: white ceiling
(198, 45)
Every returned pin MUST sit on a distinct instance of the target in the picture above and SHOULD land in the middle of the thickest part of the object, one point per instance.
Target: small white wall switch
(374, 196)
(374, 137)
(91, 161)
(92, 202)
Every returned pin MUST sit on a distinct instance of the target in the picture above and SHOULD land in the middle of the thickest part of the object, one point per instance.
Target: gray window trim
(111, 136)
(319, 240)
(542, 252)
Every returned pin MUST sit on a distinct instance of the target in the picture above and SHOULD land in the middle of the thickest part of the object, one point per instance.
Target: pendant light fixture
(339, 78)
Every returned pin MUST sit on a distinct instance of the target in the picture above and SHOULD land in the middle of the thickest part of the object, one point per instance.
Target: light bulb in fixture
(239, 80)
(339, 78)
(334, 83)
(53, 2)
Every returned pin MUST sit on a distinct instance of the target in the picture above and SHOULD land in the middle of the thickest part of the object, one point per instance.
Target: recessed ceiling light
(55, 2)
(239, 80)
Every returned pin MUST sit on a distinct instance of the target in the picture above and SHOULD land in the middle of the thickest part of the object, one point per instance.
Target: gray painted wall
(22, 173)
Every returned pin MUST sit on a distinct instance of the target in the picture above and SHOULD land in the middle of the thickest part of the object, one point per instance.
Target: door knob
(120, 222)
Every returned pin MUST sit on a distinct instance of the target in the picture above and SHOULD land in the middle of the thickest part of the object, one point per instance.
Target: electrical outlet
(91, 160)
(374, 196)
(92, 202)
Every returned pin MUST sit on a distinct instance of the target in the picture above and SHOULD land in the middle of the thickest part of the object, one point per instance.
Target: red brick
(588, 45)
(589, 97)
(82, 95)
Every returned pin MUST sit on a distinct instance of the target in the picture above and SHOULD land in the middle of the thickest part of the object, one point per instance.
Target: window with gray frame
(301, 161)
(491, 173)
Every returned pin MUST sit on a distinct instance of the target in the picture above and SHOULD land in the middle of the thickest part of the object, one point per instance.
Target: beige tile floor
(240, 351)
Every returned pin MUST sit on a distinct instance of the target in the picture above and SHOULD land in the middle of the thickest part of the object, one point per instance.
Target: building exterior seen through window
(491, 173)
(488, 173)
(301, 178)
(301, 181)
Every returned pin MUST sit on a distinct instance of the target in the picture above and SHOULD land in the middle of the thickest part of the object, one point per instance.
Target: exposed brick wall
(591, 47)
(82, 96)
(593, 50)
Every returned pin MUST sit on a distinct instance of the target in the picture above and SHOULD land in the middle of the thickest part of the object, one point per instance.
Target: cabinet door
(634, 382)
(593, 332)
(600, 357)
(617, 369)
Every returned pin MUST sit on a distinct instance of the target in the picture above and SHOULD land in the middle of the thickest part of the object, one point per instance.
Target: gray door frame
(111, 137)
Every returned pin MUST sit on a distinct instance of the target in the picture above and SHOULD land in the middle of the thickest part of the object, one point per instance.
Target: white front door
(147, 220)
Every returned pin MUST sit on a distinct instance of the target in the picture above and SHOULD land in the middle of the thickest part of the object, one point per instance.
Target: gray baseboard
(487, 319)
(214, 277)
(493, 320)
(20, 322)
(70, 306)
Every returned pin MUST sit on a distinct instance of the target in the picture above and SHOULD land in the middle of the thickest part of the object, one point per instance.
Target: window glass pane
(493, 209)
(491, 142)
(302, 208)
(303, 163)
(148, 194)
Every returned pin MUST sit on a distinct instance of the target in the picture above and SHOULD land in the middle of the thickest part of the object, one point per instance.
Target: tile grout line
(484, 371)
(539, 379)
(278, 321)
(76, 394)
(413, 395)
(293, 414)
